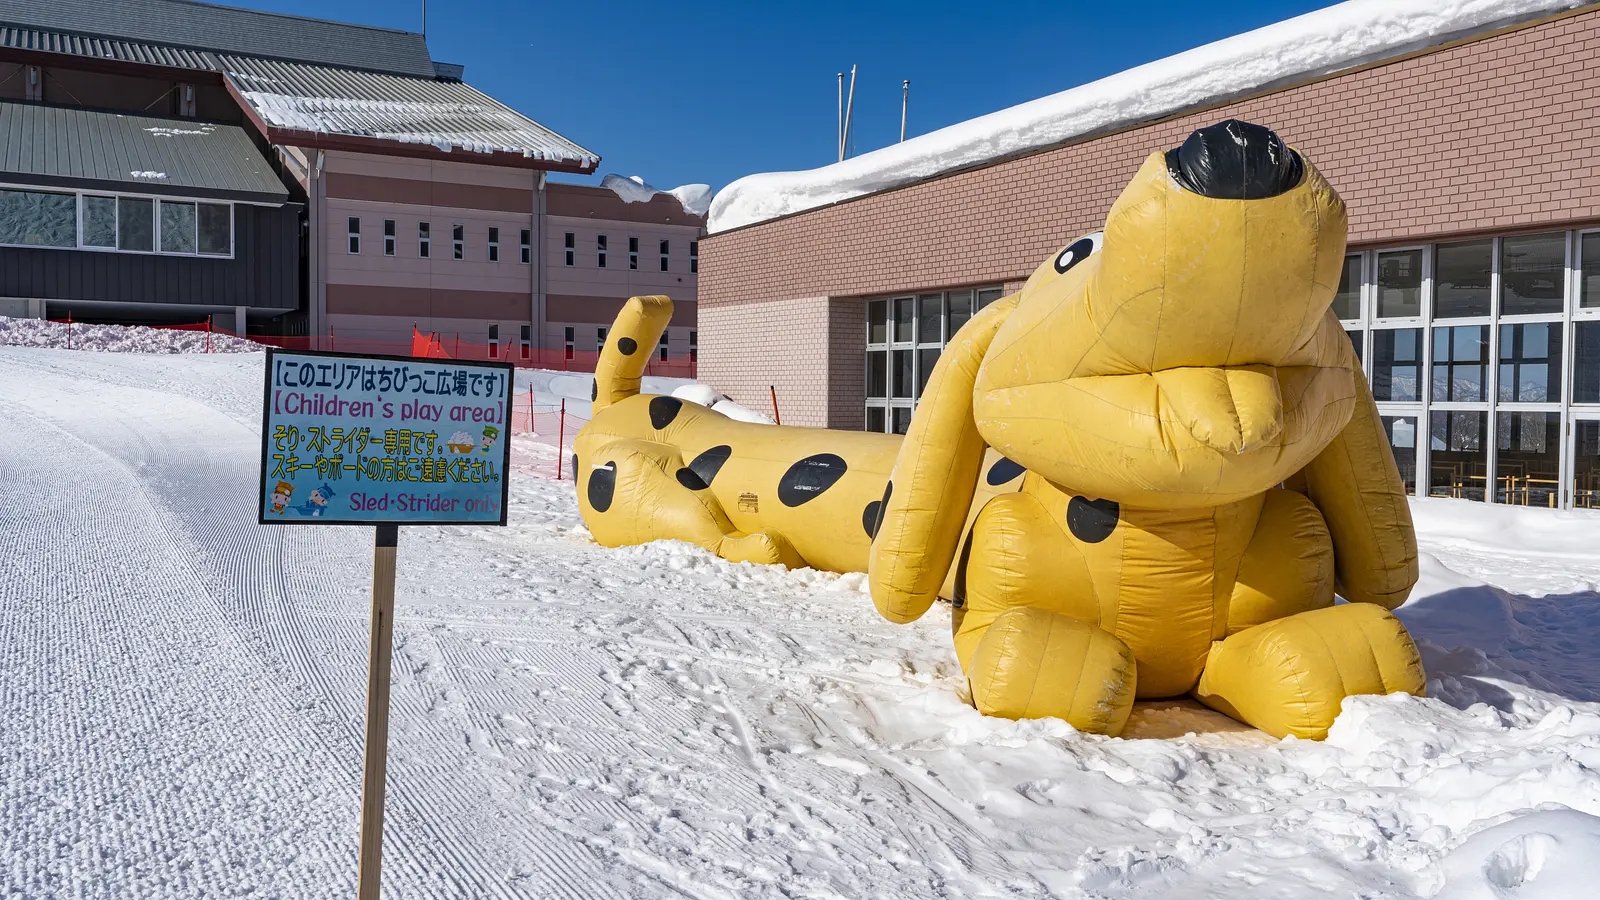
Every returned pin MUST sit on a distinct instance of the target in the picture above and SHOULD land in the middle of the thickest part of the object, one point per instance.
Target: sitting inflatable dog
(1144, 475)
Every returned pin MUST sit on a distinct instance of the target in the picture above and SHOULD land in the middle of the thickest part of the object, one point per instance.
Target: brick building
(1471, 290)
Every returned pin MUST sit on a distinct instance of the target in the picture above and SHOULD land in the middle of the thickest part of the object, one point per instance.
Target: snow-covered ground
(181, 697)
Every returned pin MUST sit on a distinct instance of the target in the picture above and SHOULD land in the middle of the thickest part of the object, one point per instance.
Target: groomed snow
(1318, 43)
(116, 338)
(694, 198)
(181, 692)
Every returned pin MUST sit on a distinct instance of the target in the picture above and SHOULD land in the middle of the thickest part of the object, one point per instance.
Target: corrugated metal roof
(21, 38)
(66, 146)
(225, 29)
(450, 115)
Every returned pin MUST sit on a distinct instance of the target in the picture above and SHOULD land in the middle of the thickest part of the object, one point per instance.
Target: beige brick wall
(1494, 135)
(744, 349)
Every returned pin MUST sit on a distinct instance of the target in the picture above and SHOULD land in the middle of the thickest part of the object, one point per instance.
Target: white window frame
(666, 255)
(424, 240)
(915, 345)
(694, 257)
(570, 243)
(569, 337)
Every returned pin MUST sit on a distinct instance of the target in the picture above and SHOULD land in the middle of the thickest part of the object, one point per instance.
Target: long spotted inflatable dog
(1144, 475)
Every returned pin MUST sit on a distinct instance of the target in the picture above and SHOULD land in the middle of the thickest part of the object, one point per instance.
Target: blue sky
(680, 92)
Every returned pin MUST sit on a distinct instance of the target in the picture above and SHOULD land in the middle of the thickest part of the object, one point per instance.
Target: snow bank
(1553, 853)
(1318, 43)
(116, 338)
(694, 198)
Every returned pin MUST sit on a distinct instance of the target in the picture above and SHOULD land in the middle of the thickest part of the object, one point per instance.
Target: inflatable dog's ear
(930, 492)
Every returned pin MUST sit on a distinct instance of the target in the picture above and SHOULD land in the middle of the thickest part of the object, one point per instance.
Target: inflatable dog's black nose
(1235, 160)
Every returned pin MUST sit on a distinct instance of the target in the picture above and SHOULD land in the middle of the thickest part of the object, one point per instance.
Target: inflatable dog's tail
(628, 347)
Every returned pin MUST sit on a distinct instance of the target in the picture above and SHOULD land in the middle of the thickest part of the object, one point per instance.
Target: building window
(600, 251)
(569, 336)
(1400, 284)
(905, 337)
(136, 230)
(1462, 279)
(1458, 453)
(527, 245)
(1586, 464)
(1589, 273)
(39, 219)
(661, 348)
(665, 255)
(178, 228)
(99, 222)
(1532, 270)
(1347, 300)
(694, 346)
(354, 237)
(599, 339)
(525, 332)
(1528, 458)
(1530, 363)
(388, 237)
(572, 247)
(694, 257)
(424, 240)
(216, 229)
(1460, 365)
(1586, 363)
(1402, 434)
(633, 253)
(494, 341)
(1396, 363)
(458, 241)
(494, 244)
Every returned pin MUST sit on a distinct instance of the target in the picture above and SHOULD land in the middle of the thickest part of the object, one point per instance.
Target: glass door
(1584, 450)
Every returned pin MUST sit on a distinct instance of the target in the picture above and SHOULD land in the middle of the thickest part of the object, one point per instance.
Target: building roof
(79, 148)
(307, 82)
(226, 29)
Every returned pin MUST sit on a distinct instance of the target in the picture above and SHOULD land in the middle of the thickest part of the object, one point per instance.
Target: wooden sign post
(386, 441)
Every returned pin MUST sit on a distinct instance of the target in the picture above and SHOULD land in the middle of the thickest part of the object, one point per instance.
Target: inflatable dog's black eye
(1078, 251)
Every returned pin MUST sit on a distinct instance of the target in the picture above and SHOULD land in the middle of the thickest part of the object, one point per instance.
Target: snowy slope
(181, 692)
(1318, 43)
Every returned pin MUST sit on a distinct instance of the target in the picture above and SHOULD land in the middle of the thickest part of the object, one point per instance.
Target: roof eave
(321, 140)
(155, 188)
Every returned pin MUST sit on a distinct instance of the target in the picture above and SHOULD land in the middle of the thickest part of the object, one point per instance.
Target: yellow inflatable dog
(1144, 475)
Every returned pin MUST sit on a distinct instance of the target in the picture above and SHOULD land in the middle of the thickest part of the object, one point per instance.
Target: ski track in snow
(181, 697)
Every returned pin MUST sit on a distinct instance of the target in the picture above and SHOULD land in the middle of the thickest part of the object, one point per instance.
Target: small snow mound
(705, 395)
(115, 338)
(694, 198)
(1551, 853)
(702, 394)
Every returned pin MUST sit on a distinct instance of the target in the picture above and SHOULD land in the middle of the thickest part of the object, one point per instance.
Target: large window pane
(904, 319)
(1532, 267)
(1528, 465)
(878, 322)
(1530, 362)
(930, 318)
(216, 230)
(988, 296)
(1355, 341)
(960, 310)
(1461, 279)
(37, 219)
(902, 419)
(1347, 301)
(904, 373)
(1589, 280)
(99, 221)
(1586, 464)
(136, 229)
(926, 360)
(177, 227)
(878, 373)
(1396, 363)
(877, 419)
(1402, 434)
(1461, 364)
(1586, 362)
(1400, 284)
(1458, 453)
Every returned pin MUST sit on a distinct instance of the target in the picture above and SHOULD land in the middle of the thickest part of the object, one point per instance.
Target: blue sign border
(266, 438)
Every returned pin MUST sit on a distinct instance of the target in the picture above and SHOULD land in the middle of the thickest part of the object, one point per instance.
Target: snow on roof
(694, 198)
(1318, 43)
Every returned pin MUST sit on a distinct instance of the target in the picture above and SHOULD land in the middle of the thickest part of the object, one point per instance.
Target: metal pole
(775, 417)
(377, 746)
(849, 114)
(561, 439)
(839, 136)
(530, 409)
(905, 95)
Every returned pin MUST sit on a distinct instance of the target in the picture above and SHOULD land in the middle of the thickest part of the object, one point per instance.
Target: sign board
(349, 439)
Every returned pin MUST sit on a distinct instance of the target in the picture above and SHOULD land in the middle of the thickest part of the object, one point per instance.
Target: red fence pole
(330, 339)
(69, 331)
(530, 409)
(208, 334)
(458, 345)
(561, 439)
(775, 417)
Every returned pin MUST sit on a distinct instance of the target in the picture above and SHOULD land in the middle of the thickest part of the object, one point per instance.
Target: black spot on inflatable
(709, 463)
(627, 345)
(872, 516)
(1002, 471)
(1234, 160)
(574, 468)
(663, 410)
(594, 391)
(691, 480)
(809, 477)
(602, 485)
(1092, 521)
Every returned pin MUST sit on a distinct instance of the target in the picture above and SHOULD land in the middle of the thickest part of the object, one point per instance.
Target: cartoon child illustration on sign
(317, 503)
(460, 442)
(489, 434)
(280, 496)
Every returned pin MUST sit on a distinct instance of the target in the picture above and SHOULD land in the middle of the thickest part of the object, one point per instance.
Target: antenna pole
(849, 113)
(424, 19)
(839, 136)
(905, 96)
